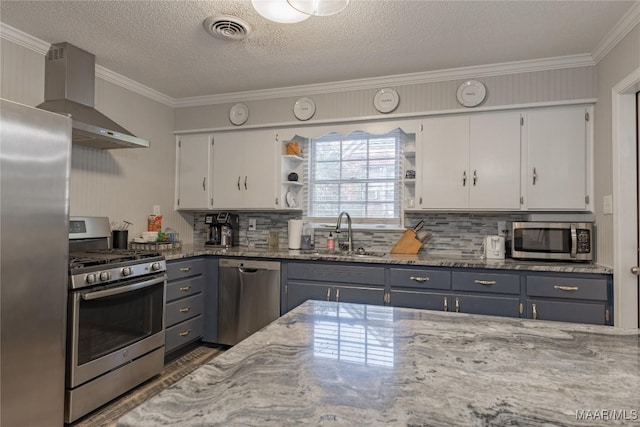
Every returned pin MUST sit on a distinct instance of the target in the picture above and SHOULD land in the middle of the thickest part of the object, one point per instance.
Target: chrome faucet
(349, 231)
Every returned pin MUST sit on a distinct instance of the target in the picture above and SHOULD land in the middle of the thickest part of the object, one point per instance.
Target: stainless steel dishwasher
(248, 297)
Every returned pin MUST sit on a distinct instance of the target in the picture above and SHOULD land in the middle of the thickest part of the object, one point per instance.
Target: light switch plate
(607, 205)
(156, 209)
(252, 224)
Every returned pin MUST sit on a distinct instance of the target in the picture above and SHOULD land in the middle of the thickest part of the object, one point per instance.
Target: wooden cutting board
(407, 244)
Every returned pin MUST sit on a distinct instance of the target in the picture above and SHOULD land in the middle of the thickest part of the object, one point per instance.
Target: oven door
(113, 325)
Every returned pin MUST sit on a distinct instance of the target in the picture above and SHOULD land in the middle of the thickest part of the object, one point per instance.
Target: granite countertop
(327, 363)
(421, 259)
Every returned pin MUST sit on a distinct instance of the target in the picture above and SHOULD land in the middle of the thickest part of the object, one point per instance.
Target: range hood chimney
(69, 88)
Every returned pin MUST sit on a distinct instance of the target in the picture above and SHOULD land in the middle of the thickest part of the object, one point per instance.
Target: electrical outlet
(252, 224)
(502, 228)
(156, 209)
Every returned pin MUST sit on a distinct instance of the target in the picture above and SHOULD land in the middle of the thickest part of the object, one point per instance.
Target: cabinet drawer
(421, 300)
(183, 309)
(185, 268)
(183, 333)
(567, 287)
(486, 282)
(184, 288)
(562, 311)
(420, 278)
(336, 273)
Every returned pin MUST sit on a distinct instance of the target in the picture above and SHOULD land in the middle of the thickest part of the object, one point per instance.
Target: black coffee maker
(224, 229)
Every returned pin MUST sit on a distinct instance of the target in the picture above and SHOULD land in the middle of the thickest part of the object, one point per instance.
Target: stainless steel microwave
(561, 241)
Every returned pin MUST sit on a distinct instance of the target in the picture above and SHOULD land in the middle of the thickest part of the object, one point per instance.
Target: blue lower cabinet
(299, 292)
(421, 300)
(493, 305)
(580, 312)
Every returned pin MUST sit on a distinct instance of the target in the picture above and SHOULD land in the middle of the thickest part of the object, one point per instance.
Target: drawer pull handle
(185, 288)
(485, 282)
(566, 288)
(419, 278)
(185, 269)
(457, 305)
(185, 310)
(446, 304)
(328, 294)
(535, 311)
(337, 295)
(185, 333)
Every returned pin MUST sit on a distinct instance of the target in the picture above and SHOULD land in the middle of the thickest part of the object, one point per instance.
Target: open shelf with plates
(409, 175)
(291, 173)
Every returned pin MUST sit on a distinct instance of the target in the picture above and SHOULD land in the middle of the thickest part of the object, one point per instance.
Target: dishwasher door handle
(247, 270)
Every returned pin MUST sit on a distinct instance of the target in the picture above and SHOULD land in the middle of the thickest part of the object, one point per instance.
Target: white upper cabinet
(193, 172)
(244, 170)
(471, 162)
(557, 171)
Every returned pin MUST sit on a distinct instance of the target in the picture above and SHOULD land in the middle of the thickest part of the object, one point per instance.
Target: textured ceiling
(163, 45)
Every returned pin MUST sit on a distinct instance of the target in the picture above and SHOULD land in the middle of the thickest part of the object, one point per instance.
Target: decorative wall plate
(292, 200)
(238, 114)
(304, 108)
(386, 100)
(471, 93)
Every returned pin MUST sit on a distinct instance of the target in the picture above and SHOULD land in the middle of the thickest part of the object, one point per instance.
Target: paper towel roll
(295, 233)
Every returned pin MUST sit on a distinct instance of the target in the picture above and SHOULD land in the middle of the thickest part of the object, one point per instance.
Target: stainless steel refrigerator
(35, 153)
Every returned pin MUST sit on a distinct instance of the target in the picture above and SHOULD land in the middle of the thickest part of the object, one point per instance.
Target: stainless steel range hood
(69, 88)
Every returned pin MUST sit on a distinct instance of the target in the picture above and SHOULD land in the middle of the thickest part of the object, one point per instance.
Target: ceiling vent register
(227, 27)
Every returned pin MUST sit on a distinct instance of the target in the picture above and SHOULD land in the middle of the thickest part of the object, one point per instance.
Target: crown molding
(134, 86)
(617, 33)
(570, 61)
(23, 39)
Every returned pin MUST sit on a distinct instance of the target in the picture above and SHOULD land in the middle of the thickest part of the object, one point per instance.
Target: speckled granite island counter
(328, 363)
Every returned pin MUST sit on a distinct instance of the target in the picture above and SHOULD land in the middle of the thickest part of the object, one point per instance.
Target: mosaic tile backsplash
(453, 233)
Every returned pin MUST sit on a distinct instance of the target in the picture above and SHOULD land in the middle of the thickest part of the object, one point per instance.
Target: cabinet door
(421, 300)
(259, 170)
(556, 153)
(298, 292)
(445, 161)
(227, 171)
(594, 313)
(193, 172)
(494, 306)
(359, 295)
(494, 161)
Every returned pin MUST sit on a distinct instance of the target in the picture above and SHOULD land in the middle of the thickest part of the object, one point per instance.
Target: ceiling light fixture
(279, 11)
(319, 7)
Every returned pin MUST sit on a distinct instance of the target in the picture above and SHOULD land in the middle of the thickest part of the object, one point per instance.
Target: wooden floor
(186, 362)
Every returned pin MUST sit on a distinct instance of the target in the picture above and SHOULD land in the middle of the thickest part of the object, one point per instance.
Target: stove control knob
(91, 278)
(155, 266)
(127, 271)
(104, 276)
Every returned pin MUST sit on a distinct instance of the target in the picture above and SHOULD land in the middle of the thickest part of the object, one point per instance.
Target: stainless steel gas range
(115, 324)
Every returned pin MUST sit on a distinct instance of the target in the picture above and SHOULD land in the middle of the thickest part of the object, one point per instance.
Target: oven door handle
(123, 289)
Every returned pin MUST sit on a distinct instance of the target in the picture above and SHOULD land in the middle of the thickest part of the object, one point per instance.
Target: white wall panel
(21, 74)
(510, 89)
(122, 184)
(615, 66)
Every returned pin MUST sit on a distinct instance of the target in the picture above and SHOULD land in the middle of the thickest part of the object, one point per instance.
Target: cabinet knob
(635, 270)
